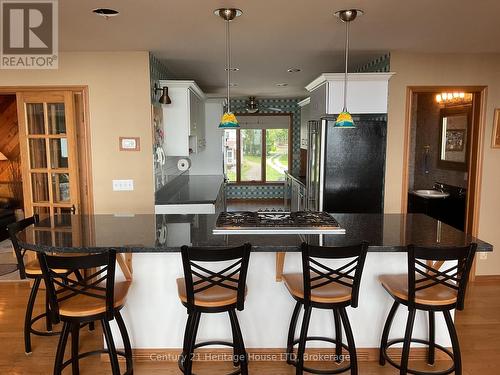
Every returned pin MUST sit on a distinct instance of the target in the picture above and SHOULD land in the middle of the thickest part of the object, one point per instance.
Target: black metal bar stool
(322, 287)
(30, 270)
(206, 291)
(428, 288)
(96, 297)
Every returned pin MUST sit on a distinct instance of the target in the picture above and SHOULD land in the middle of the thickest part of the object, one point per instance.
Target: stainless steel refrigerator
(346, 167)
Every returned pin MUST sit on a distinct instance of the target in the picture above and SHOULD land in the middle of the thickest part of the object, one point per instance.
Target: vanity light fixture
(344, 120)
(164, 98)
(228, 120)
(453, 98)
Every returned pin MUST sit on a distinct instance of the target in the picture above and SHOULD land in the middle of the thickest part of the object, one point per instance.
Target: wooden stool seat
(214, 296)
(330, 293)
(83, 305)
(437, 295)
(32, 269)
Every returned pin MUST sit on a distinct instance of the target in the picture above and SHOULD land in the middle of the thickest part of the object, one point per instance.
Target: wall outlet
(483, 256)
(123, 185)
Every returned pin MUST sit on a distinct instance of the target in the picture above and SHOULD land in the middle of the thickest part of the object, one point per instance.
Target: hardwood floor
(478, 327)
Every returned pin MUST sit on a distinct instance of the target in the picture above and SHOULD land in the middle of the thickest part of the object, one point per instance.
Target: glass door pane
(56, 118)
(251, 154)
(230, 154)
(35, 118)
(59, 153)
(276, 154)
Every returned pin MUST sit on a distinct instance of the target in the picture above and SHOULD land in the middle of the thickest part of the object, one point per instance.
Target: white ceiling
(273, 35)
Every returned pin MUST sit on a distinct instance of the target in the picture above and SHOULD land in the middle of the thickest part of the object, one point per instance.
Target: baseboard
(487, 279)
(273, 354)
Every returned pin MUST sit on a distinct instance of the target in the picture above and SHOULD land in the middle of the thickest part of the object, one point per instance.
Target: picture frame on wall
(496, 129)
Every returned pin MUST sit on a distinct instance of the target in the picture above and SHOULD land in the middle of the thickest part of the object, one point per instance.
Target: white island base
(156, 319)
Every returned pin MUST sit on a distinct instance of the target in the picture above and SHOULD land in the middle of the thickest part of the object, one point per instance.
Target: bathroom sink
(431, 194)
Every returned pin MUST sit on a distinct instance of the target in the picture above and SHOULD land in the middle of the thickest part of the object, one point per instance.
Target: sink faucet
(439, 187)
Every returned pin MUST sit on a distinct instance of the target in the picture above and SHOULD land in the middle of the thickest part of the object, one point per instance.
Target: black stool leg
(113, 357)
(350, 341)
(432, 338)
(236, 348)
(338, 336)
(457, 357)
(291, 333)
(29, 315)
(126, 342)
(188, 363)
(61, 346)
(302, 342)
(405, 356)
(75, 333)
(242, 354)
(91, 326)
(385, 333)
(48, 316)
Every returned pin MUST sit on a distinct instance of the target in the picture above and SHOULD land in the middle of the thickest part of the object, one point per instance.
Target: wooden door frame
(475, 159)
(83, 139)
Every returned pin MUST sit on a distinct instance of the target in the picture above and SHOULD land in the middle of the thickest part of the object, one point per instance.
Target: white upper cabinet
(366, 93)
(184, 118)
(305, 116)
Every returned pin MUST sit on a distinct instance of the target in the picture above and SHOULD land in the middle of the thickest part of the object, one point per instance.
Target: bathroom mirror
(454, 123)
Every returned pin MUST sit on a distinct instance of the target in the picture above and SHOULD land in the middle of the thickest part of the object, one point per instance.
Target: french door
(47, 135)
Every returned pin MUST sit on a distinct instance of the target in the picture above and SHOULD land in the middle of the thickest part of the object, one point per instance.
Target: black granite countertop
(166, 233)
(300, 179)
(190, 189)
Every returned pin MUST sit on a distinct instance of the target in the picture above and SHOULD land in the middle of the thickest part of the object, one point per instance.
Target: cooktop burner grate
(276, 221)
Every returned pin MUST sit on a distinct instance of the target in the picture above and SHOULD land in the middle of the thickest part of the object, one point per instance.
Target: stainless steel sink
(431, 194)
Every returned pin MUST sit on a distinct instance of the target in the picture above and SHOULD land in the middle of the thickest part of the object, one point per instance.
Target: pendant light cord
(228, 65)
(346, 63)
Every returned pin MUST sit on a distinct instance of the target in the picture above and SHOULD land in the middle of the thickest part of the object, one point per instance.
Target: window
(259, 150)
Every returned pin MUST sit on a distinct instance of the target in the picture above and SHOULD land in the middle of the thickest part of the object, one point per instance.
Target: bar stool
(206, 291)
(97, 297)
(430, 289)
(322, 287)
(30, 270)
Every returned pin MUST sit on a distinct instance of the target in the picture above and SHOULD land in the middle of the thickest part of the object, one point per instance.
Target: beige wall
(447, 69)
(119, 103)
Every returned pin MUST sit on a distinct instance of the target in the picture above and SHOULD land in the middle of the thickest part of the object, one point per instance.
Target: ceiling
(274, 35)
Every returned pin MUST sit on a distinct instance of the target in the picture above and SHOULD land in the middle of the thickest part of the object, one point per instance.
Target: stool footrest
(293, 362)
(88, 354)
(41, 333)
(424, 342)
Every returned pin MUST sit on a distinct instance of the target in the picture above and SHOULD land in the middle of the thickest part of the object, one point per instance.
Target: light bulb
(438, 98)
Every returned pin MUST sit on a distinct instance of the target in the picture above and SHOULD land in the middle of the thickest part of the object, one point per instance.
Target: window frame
(263, 180)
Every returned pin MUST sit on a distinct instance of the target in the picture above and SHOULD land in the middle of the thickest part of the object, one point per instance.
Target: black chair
(426, 287)
(30, 270)
(95, 297)
(206, 291)
(322, 287)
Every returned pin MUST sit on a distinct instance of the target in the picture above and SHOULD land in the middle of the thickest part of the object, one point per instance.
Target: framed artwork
(455, 140)
(496, 129)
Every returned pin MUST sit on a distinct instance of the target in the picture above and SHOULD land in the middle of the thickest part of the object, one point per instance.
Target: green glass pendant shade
(344, 120)
(229, 121)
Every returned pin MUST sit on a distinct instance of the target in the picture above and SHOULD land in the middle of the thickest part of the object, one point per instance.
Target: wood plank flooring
(478, 327)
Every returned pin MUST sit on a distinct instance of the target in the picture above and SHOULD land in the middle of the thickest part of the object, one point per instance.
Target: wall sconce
(164, 98)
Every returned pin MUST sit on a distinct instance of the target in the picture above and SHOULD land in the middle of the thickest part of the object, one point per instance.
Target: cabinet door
(201, 131)
(318, 102)
(193, 113)
(304, 118)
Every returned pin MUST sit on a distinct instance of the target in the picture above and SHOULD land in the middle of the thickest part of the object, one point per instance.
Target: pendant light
(228, 120)
(344, 120)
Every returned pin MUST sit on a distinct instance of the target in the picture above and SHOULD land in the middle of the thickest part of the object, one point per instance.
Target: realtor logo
(29, 34)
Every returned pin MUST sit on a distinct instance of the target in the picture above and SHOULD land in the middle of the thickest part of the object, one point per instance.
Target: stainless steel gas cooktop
(277, 222)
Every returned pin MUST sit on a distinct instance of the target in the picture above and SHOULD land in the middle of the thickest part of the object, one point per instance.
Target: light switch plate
(123, 185)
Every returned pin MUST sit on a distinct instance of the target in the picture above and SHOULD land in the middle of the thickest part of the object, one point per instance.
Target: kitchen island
(155, 318)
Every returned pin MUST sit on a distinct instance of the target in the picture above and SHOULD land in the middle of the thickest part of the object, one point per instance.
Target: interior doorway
(49, 142)
(443, 153)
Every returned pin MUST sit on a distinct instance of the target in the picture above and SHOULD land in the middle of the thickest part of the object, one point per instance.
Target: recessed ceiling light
(233, 84)
(283, 84)
(293, 70)
(105, 12)
(233, 69)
